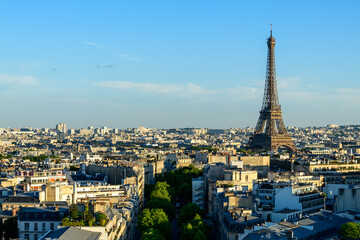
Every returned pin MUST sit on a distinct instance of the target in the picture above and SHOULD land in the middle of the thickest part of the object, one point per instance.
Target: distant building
(179, 160)
(218, 159)
(216, 131)
(36, 180)
(201, 157)
(61, 127)
(261, 164)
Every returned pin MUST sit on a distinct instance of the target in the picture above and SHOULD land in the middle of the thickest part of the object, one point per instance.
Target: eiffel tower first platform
(270, 131)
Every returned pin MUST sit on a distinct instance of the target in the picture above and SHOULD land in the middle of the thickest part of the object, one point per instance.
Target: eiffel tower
(270, 131)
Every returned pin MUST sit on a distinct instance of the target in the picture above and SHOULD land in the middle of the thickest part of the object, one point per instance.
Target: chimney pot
(14, 210)
(289, 235)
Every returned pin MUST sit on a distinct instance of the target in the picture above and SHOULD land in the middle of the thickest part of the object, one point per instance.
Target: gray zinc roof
(70, 233)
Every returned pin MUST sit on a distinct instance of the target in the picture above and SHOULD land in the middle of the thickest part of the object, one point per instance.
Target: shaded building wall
(261, 164)
(348, 199)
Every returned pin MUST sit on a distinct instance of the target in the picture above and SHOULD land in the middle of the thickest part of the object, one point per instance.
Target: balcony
(311, 197)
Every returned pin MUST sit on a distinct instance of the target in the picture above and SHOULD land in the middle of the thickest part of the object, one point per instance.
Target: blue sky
(167, 64)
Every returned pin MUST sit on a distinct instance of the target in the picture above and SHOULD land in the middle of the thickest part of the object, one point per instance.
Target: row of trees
(180, 181)
(191, 216)
(36, 158)
(84, 218)
(192, 224)
(154, 221)
(6, 157)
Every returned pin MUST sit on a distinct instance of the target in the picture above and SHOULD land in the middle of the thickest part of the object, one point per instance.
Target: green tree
(164, 204)
(74, 211)
(187, 231)
(152, 219)
(185, 192)
(191, 227)
(89, 216)
(188, 212)
(101, 218)
(165, 228)
(36, 158)
(161, 191)
(152, 234)
(350, 230)
(199, 235)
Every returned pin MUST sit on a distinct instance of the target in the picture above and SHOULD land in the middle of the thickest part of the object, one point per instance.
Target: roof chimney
(14, 210)
(289, 235)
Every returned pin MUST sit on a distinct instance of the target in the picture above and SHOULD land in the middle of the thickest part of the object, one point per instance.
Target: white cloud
(293, 92)
(94, 44)
(243, 93)
(176, 90)
(237, 93)
(289, 83)
(19, 80)
(349, 96)
(129, 57)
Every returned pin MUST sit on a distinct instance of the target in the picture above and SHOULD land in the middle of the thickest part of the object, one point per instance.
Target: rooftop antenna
(271, 29)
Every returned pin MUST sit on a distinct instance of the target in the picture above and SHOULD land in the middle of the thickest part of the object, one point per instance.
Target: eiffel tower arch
(270, 131)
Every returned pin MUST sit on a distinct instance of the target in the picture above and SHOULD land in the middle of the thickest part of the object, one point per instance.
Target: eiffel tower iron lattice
(270, 131)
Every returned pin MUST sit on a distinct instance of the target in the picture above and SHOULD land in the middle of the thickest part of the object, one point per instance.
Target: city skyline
(172, 65)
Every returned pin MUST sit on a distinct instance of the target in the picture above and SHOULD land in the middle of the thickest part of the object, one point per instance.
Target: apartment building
(33, 222)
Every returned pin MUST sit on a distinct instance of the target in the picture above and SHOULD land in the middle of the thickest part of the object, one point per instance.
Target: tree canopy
(152, 234)
(74, 211)
(188, 212)
(160, 191)
(350, 230)
(176, 179)
(185, 192)
(199, 235)
(154, 218)
(195, 228)
(165, 204)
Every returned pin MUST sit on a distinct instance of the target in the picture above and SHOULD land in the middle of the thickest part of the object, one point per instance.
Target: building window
(52, 226)
(35, 227)
(35, 236)
(27, 227)
(27, 237)
(43, 226)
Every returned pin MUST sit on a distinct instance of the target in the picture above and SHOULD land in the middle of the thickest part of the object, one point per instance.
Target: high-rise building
(61, 127)
(270, 131)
